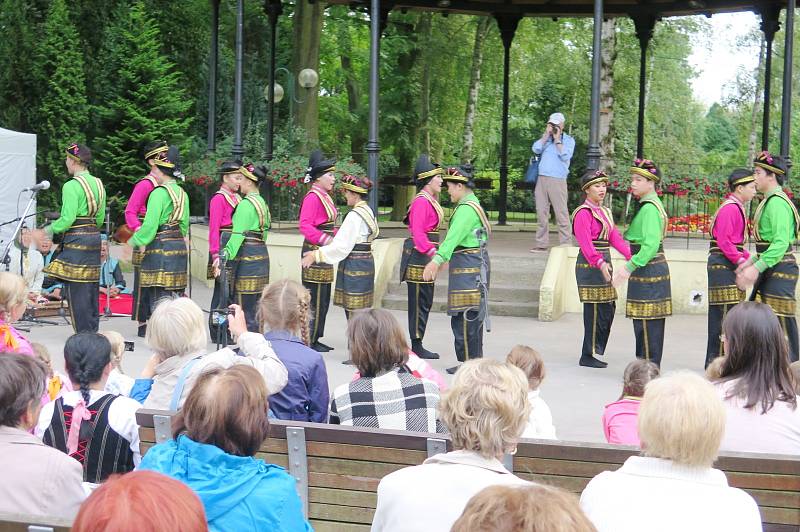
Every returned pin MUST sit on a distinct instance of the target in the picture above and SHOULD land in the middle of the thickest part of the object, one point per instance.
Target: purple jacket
(305, 397)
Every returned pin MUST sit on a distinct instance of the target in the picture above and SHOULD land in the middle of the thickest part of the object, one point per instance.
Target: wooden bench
(338, 468)
(30, 523)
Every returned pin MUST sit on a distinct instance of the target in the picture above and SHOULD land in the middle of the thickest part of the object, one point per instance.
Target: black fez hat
(318, 165)
(253, 173)
(231, 166)
(740, 176)
(425, 169)
(590, 178)
(170, 162)
(460, 174)
(771, 163)
(647, 169)
(154, 148)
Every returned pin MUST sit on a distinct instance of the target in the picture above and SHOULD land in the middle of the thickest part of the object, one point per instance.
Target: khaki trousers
(552, 191)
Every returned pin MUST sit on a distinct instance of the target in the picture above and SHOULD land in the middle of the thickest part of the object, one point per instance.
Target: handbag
(532, 173)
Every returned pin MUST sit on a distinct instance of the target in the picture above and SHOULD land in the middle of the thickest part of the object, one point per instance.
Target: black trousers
(249, 304)
(154, 295)
(216, 302)
(83, 305)
(420, 300)
(468, 335)
(716, 314)
(320, 302)
(649, 339)
(789, 326)
(597, 320)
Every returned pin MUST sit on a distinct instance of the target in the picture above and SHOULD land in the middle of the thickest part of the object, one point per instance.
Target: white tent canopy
(17, 171)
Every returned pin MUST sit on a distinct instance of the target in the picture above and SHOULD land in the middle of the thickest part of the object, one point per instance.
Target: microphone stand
(4, 257)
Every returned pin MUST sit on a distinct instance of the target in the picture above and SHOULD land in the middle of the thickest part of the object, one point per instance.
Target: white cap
(556, 118)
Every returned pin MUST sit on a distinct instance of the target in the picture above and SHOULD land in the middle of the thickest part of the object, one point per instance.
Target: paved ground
(576, 395)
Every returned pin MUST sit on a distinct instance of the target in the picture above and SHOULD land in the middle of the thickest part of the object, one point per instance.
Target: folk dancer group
(772, 271)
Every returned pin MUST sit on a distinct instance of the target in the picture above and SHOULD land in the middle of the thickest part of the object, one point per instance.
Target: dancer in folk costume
(461, 247)
(247, 247)
(352, 249)
(220, 222)
(317, 219)
(647, 272)
(423, 219)
(726, 253)
(163, 232)
(594, 229)
(134, 215)
(83, 210)
(773, 271)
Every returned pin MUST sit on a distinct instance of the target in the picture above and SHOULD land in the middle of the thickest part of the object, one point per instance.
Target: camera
(219, 316)
(128, 346)
(555, 127)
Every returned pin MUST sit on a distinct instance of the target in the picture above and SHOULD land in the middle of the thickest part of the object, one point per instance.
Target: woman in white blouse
(352, 249)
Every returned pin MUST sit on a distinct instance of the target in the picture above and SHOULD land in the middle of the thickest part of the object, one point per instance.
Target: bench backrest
(31, 523)
(338, 468)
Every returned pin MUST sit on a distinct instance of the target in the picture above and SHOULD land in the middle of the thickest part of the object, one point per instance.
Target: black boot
(320, 347)
(453, 369)
(590, 362)
(142, 330)
(421, 352)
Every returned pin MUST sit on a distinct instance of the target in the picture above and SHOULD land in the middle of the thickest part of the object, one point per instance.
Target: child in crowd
(714, 370)
(283, 313)
(57, 382)
(620, 417)
(540, 421)
(13, 301)
(95, 427)
(118, 383)
(795, 368)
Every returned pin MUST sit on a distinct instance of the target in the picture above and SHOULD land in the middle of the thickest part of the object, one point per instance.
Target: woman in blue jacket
(238, 491)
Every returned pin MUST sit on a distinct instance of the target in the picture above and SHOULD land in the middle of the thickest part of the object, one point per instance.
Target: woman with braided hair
(93, 426)
(283, 313)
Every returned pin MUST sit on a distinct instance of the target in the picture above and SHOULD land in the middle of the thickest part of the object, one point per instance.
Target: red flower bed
(690, 223)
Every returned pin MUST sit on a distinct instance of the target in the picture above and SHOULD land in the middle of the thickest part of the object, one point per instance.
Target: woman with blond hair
(672, 485)
(177, 335)
(283, 312)
(13, 302)
(486, 411)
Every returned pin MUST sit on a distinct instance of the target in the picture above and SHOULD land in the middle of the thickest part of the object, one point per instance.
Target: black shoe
(142, 330)
(591, 362)
(421, 352)
(347, 362)
(453, 369)
(320, 347)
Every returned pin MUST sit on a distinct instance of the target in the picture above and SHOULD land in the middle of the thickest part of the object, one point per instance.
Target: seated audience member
(540, 422)
(795, 369)
(672, 485)
(26, 261)
(523, 508)
(13, 302)
(142, 501)
(217, 434)
(386, 395)
(37, 480)
(178, 335)
(117, 382)
(756, 384)
(57, 382)
(51, 287)
(420, 368)
(486, 410)
(714, 370)
(283, 311)
(620, 417)
(96, 428)
(111, 280)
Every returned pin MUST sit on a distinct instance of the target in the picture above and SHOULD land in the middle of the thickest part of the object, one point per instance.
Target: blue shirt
(551, 162)
(305, 396)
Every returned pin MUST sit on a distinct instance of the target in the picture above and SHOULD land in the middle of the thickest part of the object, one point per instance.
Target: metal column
(644, 32)
(238, 148)
(373, 148)
(508, 27)
(211, 139)
(769, 25)
(593, 151)
(786, 105)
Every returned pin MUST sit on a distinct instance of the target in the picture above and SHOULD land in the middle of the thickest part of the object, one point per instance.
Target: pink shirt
(422, 219)
(11, 341)
(421, 370)
(220, 214)
(728, 229)
(587, 227)
(137, 203)
(620, 421)
(317, 209)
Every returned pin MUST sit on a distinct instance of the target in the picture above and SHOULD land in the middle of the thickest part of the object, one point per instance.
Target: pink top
(317, 208)
(619, 421)
(422, 219)
(587, 227)
(421, 370)
(220, 214)
(728, 229)
(11, 341)
(137, 203)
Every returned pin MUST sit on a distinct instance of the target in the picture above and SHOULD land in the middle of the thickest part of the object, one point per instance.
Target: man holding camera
(555, 150)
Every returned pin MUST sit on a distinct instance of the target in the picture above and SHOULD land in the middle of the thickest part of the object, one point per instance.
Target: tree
(18, 93)
(147, 101)
(468, 140)
(720, 133)
(63, 113)
(307, 29)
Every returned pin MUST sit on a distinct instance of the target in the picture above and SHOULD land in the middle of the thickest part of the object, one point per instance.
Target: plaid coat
(395, 400)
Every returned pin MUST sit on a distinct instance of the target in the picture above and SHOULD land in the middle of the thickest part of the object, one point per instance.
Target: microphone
(44, 185)
(480, 233)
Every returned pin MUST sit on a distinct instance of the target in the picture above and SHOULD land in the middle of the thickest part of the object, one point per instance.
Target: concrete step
(528, 309)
